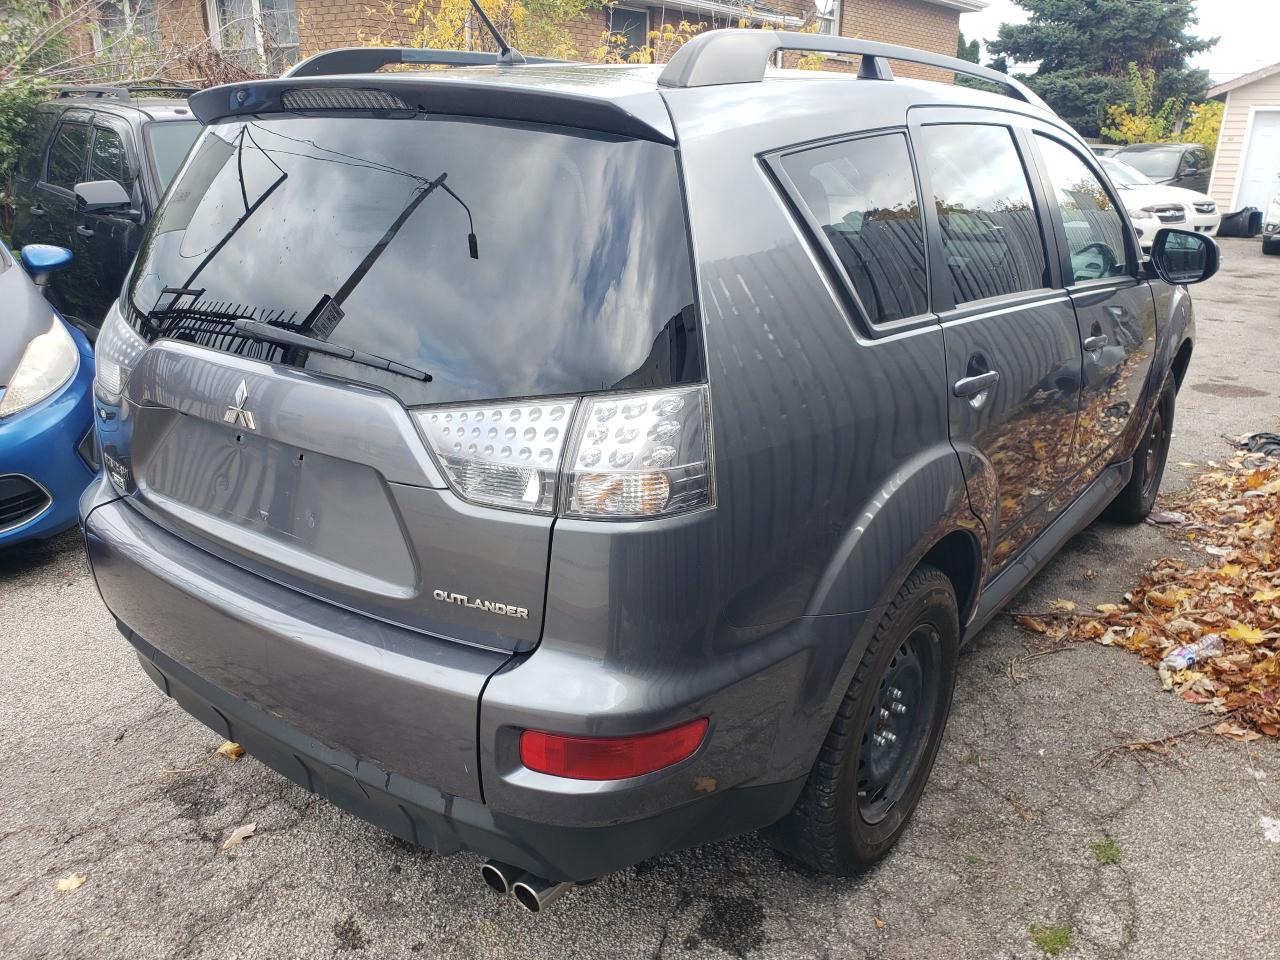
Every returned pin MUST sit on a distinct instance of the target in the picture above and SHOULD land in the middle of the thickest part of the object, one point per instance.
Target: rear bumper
(447, 824)
(383, 721)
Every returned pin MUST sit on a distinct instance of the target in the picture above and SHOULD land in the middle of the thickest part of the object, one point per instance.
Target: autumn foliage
(1231, 514)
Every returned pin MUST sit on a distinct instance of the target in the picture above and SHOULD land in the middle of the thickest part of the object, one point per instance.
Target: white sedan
(1152, 206)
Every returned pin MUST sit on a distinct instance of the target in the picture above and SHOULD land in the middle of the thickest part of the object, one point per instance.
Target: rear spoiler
(641, 115)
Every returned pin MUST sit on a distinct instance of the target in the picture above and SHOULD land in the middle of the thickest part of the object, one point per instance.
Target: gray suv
(573, 463)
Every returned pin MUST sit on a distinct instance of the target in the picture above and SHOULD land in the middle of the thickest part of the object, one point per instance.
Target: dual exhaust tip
(533, 893)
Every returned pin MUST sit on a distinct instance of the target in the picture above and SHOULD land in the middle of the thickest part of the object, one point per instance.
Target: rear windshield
(169, 142)
(1161, 164)
(358, 231)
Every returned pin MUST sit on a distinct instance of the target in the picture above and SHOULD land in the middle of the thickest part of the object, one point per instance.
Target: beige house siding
(1229, 158)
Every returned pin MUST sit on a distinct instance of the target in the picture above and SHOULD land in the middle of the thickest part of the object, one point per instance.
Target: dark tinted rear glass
(33, 153)
(355, 230)
(990, 233)
(862, 194)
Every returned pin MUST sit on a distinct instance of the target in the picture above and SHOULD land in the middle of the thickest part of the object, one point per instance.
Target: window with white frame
(259, 34)
(121, 19)
(828, 14)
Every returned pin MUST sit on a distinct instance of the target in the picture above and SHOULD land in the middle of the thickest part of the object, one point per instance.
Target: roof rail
(125, 93)
(369, 59)
(740, 56)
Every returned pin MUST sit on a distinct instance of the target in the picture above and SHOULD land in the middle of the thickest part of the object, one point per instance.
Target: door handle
(37, 211)
(1095, 343)
(972, 386)
(83, 230)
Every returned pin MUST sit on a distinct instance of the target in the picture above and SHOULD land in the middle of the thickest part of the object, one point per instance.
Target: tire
(1134, 502)
(833, 826)
(1271, 246)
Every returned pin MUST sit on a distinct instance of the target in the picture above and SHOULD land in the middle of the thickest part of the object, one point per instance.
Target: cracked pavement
(104, 776)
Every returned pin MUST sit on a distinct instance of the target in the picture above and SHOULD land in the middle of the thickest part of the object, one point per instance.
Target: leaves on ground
(1231, 514)
(72, 881)
(238, 836)
(230, 750)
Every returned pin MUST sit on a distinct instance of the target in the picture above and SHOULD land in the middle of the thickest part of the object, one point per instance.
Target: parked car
(1186, 165)
(47, 454)
(1152, 206)
(1271, 227)
(525, 486)
(89, 180)
(1103, 149)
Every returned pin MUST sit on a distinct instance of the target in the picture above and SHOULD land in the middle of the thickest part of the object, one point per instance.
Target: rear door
(1115, 311)
(1013, 351)
(55, 203)
(27, 226)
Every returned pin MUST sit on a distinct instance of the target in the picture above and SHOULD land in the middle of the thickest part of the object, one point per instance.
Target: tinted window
(1095, 231)
(863, 196)
(990, 234)
(66, 156)
(108, 159)
(33, 153)
(1160, 164)
(347, 229)
(169, 143)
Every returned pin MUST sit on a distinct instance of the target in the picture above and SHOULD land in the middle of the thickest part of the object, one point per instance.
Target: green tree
(968, 50)
(1083, 49)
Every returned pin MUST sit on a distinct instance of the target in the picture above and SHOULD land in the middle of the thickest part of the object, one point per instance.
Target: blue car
(47, 453)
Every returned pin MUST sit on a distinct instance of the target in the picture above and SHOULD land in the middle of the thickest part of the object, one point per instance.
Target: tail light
(115, 353)
(613, 456)
(609, 758)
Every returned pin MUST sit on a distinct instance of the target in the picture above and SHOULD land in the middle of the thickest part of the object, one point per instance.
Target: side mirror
(99, 196)
(1180, 256)
(42, 259)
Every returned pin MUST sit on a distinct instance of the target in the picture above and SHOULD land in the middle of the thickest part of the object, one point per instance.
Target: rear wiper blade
(257, 330)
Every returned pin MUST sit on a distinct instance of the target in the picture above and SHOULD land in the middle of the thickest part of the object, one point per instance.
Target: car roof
(1152, 147)
(620, 98)
(135, 107)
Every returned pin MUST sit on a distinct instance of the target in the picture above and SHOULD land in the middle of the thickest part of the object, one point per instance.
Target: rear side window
(862, 195)
(357, 230)
(1095, 232)
(29, 167)
(108, 160)
(66, 156)
(990, 234)
(169, 142)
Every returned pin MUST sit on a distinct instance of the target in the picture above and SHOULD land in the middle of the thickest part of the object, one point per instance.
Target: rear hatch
(454, 270)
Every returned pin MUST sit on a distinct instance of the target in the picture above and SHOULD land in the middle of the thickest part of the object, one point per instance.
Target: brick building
(269, 34)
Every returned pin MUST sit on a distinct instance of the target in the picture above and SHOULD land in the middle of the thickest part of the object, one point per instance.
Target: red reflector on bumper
(609, 758)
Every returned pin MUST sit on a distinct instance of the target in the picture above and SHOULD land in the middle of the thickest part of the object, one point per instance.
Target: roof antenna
(507, 55)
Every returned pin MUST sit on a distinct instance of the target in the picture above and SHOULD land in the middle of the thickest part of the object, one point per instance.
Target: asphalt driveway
(102, 775)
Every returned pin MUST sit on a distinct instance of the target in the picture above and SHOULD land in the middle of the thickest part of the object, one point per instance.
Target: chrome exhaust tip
(500, 877)
(535, 894)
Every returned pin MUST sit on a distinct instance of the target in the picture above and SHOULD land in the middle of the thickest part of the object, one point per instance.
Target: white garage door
(1260, 180)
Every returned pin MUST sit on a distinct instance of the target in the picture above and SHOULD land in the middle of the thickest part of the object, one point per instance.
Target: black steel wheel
(1136, 500)
(875, 760)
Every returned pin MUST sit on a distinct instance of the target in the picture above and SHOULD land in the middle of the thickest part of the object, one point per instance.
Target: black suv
(571, 463)
(92, 175)
(1185, 165)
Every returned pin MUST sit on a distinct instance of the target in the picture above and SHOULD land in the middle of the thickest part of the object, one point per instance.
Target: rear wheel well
(957, 555)
(1181, 362)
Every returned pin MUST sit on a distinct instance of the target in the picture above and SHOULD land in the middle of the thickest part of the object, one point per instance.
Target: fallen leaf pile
(1231, 514)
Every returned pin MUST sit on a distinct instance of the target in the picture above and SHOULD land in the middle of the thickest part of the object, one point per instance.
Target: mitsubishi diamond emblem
(238, 414)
